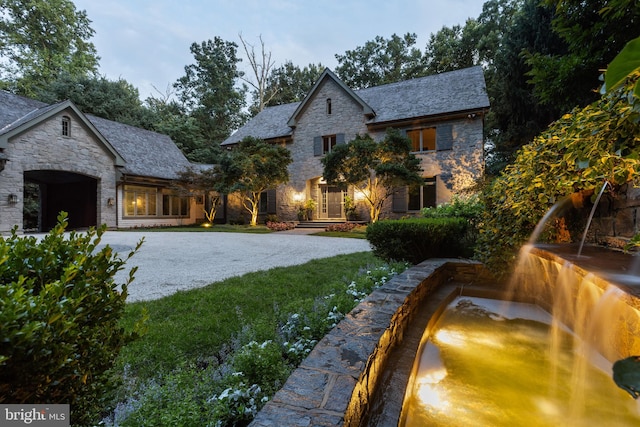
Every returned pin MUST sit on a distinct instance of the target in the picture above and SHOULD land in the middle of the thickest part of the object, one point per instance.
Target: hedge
(414, 240)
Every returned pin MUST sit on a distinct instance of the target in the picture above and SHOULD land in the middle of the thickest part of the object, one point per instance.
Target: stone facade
(44, 148)
(452, 103)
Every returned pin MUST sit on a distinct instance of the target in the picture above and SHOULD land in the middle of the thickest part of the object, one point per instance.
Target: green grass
(192, 326)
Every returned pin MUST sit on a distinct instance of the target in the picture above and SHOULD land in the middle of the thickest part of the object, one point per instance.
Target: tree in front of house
(205, 182)
(40, 40)
(374, 169)
(251, 168)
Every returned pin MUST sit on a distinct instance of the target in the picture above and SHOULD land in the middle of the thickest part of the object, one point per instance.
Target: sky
(146, 42)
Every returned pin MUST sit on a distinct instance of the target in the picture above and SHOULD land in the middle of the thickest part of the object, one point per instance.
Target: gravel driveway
(172, 261)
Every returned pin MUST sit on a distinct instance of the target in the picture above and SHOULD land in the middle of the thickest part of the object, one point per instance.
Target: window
(66, 126)
(328, 142)
(422, 139)
(423, 196)
(140, 201)
(149, 201)
(328, 105)
(324, 144)
(267, 203)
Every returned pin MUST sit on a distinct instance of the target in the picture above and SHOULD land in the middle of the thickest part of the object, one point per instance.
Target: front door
(332, 202)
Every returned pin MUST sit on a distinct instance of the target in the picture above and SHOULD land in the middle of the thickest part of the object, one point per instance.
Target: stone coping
(335, 384)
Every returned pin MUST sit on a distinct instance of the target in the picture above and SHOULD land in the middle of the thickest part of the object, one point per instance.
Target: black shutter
(400, 199)
(444, 137)
(317, 146)
(271, 201)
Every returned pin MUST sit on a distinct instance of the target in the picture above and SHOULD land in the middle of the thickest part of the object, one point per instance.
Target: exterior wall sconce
(110, 201)
(298, 197)
(13, 199)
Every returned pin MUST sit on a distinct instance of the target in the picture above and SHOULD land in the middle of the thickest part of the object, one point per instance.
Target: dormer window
(328, 105)
(66, 126)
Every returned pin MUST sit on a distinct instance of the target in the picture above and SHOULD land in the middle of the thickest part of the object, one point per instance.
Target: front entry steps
(318, 224)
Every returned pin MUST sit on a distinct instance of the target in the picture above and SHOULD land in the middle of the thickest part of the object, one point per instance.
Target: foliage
(624, 66)
(265, 324)
(42, 39)
(342, 227)
(115, 100)
(576, 153)
(280, 226)
(416, 239)
(208, 90)
(291, 83)
(470, 208)
(451, 49)
(204, 181)
(381, 61)
(252, 167)
(373, 168)
(60, 311)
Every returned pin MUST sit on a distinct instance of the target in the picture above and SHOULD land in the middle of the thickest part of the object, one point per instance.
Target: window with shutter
(444, 137)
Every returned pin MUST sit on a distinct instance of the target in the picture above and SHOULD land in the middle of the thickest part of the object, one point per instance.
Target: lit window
(66, 126)
(422, 139)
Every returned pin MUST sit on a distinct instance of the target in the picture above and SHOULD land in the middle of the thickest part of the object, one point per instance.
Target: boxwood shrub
(59, 319)
(416, 239)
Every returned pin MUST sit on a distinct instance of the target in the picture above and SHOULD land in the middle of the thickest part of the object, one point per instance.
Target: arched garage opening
(49, 192)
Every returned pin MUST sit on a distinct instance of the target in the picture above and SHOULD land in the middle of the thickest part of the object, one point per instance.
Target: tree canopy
(250, 168)
(381, 61)
(374, 169)
(40, 40)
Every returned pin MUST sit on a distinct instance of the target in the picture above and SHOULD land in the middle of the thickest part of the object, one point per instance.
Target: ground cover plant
(214, 355)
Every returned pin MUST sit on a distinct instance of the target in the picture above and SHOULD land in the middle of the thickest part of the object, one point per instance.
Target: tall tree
(290, 83)
(251, 168)
(594, 31)
(40, 40)
(516, 116)
(209, 91)
(381, 61)
(452, 48)
(374, 169)
(261, 66)
(116, 100)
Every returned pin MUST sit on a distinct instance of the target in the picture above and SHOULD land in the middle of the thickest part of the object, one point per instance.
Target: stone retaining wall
(334, 385)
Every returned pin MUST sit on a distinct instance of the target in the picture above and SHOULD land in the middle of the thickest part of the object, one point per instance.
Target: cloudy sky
(146, 42)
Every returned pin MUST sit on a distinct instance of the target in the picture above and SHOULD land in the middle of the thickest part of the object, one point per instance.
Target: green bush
(59, 315)
(414, 240)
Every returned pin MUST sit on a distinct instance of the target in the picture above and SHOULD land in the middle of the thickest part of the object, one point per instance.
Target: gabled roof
(267, 124)
(431, 96)
(140, 152)
(18, 114)
(328, 74)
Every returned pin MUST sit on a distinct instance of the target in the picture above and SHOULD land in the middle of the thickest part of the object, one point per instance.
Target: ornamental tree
(252, 167)
(374, 169)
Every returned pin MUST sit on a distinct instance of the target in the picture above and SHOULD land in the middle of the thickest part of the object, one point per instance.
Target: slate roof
(146, 153)
(455, 91)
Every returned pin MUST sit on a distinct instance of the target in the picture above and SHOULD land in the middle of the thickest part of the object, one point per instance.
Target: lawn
(184, 369)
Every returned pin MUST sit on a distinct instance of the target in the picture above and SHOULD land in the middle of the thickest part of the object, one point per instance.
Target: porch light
(13, 199)
(298, 197)
(110, 201)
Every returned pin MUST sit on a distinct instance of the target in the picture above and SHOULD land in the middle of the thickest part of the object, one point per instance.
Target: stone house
(442, 114)
(97, 170)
